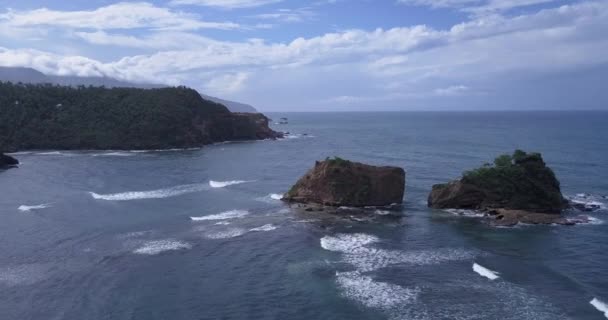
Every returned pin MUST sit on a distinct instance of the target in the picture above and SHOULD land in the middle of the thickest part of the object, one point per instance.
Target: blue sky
(328, 55)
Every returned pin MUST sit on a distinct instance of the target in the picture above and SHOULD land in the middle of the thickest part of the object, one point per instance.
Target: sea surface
(201, 234)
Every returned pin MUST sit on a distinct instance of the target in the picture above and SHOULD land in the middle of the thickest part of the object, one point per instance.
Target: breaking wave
(587, 202)
(466, 213)
(152, 194)
(158, 246)
(232, 214)
(25, 208)
(600, 306)
(357, 252)
(374, 294)
(266, 227)
(222, 184)
(114, 154)
(226, 234)
(485, 272)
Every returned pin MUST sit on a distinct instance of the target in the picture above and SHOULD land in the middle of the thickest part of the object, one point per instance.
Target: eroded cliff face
(337, 182)
(241, 126)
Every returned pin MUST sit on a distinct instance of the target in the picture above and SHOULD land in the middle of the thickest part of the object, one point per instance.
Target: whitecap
(232, 214)
(158, 246)
(347, 242)
(222, 184)
(226, 234)
(276, 196)
(222, 223)
(466, 213)
(357, 252)
(50, 153)
(587, 202)
(25, 208)
(374, 294)
(600, 306)
(266, 227)
(382, 212)
(271, 198)
(114, 154)
(152, 194)
(485, 272)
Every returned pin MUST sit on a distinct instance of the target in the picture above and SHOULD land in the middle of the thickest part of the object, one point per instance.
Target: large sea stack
(7, 161)
(517, 187)
(337, 182)
(56, 117)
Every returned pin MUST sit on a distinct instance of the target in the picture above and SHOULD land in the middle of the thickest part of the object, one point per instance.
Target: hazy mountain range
(30, 75)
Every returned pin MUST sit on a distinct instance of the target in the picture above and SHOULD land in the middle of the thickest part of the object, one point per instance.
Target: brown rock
(507, 218)
(337, 182)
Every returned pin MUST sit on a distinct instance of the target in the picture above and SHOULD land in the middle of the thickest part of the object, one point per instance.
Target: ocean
(201, 234)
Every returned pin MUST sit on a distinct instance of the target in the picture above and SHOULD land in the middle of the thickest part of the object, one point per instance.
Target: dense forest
(56, 117)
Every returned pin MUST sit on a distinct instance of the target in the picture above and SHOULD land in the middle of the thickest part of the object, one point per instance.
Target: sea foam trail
(25, 208)
(600, 306)
(374, 294)
(485, 272)
(158, 246)
(266, 227)
(222, 184)
(152, 194)
(232, 214)
(226, 234)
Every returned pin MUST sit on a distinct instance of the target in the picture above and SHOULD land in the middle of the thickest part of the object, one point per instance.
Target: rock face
(337, 182)
(519, 182)
(7, 161)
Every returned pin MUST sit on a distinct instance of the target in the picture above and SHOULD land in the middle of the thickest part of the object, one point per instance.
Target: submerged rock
(520, 182)
(338, 182)
(7, 161)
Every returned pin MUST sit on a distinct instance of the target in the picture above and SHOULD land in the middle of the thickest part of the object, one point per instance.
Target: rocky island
(337, 182)
(7, 161)
(516, 188)
(37, 116)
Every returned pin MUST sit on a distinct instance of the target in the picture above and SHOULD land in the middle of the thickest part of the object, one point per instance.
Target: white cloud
(357, 66)
(288, 15)
(475, 6)
(226, 4)
(124, 15)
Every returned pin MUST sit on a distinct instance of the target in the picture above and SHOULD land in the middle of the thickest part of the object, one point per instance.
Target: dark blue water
(114, 238)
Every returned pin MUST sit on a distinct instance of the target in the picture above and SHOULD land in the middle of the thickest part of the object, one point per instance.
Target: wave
(357, 252)
(50, 153)
(600, 306)
(152, 194)
(114, 154)
(266, 227)
(382, 212)
(25, 208)
(271, 198)
(587, 202)
(374, 294)
(222, 184)
(222, 223)
(466, 213)
(226, 234)
(485, 272)
(232, 214)
(158, 246)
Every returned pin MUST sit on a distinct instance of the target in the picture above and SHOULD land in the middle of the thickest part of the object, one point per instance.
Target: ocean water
(200, 234)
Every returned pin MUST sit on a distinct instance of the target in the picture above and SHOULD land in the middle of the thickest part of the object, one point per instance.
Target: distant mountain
(29, 75)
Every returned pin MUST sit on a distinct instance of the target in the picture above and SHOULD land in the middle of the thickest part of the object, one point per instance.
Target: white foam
(588, 202)
(50, 153)
(25, 208)
(485, 272)
(222, 223)
(158, 246)
(271, 198)
(357, 252)
(382, 212)
(152, 194)
(595, 221)
(600, 306)
(232, 214)
(226, 234)
(276, 196)
(347, 242)
(266, 227)
(25, 274)
(114, 154)
(373, 294)
(222, 184)
(466, 213)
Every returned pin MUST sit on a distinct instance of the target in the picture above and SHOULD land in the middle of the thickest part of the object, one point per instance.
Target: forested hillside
(56, 117)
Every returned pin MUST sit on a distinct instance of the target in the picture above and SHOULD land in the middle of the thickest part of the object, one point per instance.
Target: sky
(328, 55)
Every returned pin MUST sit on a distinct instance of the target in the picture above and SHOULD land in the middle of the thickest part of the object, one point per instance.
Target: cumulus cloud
(475, 6)
(358, 66)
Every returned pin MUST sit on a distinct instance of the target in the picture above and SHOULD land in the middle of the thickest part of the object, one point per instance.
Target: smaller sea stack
(337, 182)
(519, 186)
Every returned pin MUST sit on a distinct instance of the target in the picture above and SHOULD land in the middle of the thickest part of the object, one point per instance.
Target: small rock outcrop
(7, 161)
(337, 182)
(520, 182)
